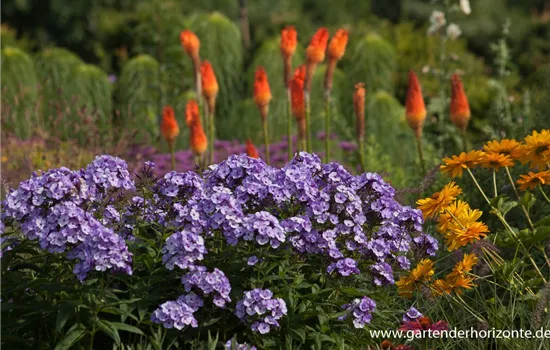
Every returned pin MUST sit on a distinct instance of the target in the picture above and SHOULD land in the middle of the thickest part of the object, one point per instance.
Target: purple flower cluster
(215, 283)
(264, 310)
(183, 249)
(236, 346)
(58, 207)
(178, 313)
(412, 315)
(361, 310)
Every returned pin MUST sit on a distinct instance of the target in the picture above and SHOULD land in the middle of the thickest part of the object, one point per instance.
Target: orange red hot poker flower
(169, 125)
(288, 47)
(415, 108)
(460, 109)
(251, 149)
(297, 100)
(359, 107)
(262, 92)
(209, 84)
(190, 43)
(315, 54)
(191, 113)
(337, 46)
(197, 138)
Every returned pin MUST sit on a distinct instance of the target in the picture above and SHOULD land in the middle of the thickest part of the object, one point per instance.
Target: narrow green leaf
(128, 328)
(108, 328)
(65, 312)
(70, 339)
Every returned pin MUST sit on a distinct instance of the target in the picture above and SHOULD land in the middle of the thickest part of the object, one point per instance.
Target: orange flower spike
(191, 112)
(191, 43)
(169, 125)
(415, 108)
(337, 46)
(297, 92)
(317, 47)
(289, 40)
(460, 109)
(210, 86)
(262, 91)
(359, 106)
(251, 150)
(197, 138)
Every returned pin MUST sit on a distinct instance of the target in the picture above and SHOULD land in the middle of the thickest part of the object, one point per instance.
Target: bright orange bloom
(318, 46)
(455, 165)
(262, 91)
(415, 108)
(496, 160)
(209, 84)
(297, 92)
(197, 138)
(169, 125)
(359, 106)
(337, 46)
(460, 109)
(536, 149)
(532, 180)
(439, 201)
(191, 43)
(251, 150)
(288, 41)
(191, 113)
(505, 146)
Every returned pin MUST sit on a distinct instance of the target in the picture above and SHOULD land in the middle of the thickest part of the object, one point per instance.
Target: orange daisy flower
(169, 125)
(460, 109)
(439, 201)
(414, 106)
(536, 149)
(359, 107)
(251, 149)
(532, 180)
(262, 91)
(505, 146)
(456, 164)
(191, 112)
(496, 161)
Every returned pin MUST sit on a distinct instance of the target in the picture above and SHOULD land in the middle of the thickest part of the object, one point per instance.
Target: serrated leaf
(505, 206)
(541, 233)
(528, 200)
(543, 222)
(108, 328)
(70, 338)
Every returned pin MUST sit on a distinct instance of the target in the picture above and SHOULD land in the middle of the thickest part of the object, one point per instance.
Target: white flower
(465, 6)
(437, 21)
(453, 31)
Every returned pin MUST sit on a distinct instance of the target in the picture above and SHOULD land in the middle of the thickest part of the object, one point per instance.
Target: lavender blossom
(259, 306)
(178, 313)
(361, 309)
(215, 283)
(230, 346)
(183, 249)
(412, 315)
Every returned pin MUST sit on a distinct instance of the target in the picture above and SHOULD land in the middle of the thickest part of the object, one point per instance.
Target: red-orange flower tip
(338, 43)
(288, 41)
(191, 112)
(359, 107)
(262, 91)
(197, 138)
(190, 42)
(297, 92)
(251, 150)
(415, 108)
(209, 83)
(318, 46)
(460, 109)
(169, 125)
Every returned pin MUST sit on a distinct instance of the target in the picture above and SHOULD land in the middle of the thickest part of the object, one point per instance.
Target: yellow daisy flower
(496, 161)
(532, 180)
(508, 147)
(536, 149)
(435, 204)
(456, 164)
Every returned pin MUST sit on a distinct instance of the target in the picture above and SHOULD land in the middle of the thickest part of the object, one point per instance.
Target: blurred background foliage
(105, 68)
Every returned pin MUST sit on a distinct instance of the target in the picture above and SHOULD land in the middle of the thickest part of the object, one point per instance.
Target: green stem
(327, 126)
(266, 141)
(495, 182)
(171, 147)
(420, 154)
(289, 125)
(211, 136)
(507, 226)
(361, 143)
(308, 126)
(544, 194)
(464, 141)
(519, 199)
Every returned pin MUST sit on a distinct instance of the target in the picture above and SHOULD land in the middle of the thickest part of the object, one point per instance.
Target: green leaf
(528, 200)
(65, 312)
(212, 343)
(71, 338)
(543, 222)
(541, 233)
(505, 206)
(109, 329)
(126, 327)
